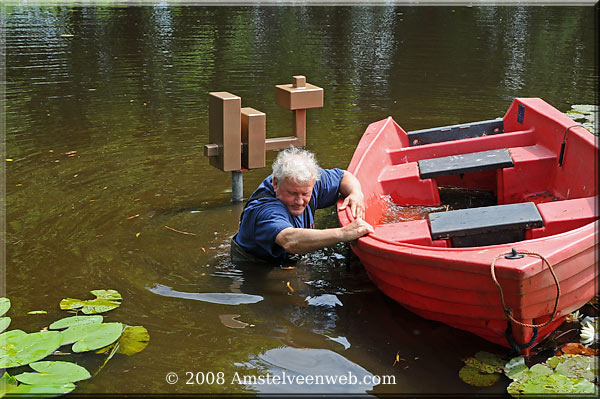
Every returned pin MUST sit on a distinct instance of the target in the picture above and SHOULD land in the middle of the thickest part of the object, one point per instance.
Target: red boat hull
(455, 285)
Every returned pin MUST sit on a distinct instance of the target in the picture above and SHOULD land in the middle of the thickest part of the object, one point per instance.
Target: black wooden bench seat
(464, 163)
(455, 132)
(487, 225)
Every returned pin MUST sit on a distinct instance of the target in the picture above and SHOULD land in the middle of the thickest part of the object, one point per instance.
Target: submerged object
(510, 272)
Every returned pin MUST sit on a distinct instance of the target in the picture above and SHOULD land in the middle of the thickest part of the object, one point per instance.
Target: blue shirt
(264, 218)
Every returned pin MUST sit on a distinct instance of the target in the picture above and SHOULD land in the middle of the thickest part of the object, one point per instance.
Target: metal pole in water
(237, 186)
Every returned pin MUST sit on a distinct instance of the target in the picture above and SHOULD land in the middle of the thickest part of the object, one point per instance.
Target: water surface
(106, 119)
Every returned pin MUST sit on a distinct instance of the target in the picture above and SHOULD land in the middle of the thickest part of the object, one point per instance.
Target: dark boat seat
(489, 225)
(464, 163)
(455, 132)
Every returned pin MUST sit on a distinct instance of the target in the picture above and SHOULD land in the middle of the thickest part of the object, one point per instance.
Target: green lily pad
(87, 337)
(50, 373)
(7, 381)
(75, 321)
(486, 362)
(134, 340)
(473, 376)
(4, 305)
(550, 384)
(515, 367)
(38, 391)
(6, 336)
(4, 323)
(20, 348)
(575, 366)
(105, 300)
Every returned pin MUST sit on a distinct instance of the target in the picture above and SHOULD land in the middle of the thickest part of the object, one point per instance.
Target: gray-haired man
(279, 217)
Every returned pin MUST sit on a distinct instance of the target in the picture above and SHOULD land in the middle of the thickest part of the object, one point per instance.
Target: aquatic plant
(85, 333)
(566, 374)
(585, 114)
(588, 334)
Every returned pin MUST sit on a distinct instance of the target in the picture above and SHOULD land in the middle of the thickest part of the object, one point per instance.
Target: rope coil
(507, 310)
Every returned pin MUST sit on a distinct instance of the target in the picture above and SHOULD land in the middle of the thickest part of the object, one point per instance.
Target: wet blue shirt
(266, 217)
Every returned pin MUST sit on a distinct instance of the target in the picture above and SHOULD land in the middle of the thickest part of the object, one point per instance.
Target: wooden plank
(455, 132)
(465, 163)
(484, 220)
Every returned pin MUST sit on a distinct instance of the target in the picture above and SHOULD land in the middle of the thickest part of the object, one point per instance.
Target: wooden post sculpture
(238, 135)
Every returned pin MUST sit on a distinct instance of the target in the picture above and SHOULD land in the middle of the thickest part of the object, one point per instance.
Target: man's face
(295, 196)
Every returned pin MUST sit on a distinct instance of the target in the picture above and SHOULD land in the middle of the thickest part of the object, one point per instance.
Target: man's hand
(356, 229)
(353, 196)
(356, 201)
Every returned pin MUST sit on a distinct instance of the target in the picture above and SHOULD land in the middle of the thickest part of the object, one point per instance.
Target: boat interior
(536, 165)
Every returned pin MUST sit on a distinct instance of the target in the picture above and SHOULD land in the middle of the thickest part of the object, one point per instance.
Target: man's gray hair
(296, 164)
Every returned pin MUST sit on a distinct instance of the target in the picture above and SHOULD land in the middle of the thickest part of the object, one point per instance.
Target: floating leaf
(88, 337)
(37, 312)
(4, 305)
(50, 373)
(133, 340)
(105, 300)
(76, 320)
(7, 380)
(577, 366)
(39, 391)
(229, 320)
(486, 362)
(550, 384)
(574, 348)
(4, 323)
(514, 367)
(473, 376)
(21, 348)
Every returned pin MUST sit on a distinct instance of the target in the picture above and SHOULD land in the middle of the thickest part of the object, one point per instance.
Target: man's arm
(352, 192)
(300, 241)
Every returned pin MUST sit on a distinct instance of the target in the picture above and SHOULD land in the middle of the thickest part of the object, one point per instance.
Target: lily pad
(105, 300)
(486, 362)
(75, 321)
(577, 366)
(7, 380)
(514, 367)
(50, 373)
(4, 323)
(133, 340)
(20, 348)
(88, 337)
(4, 305)
(550, 384)
(473, 376)
(38, 391)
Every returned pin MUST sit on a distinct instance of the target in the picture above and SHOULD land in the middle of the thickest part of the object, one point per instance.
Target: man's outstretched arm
(300, 241)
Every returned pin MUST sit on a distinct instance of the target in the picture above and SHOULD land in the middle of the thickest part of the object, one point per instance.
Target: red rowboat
(510, 271)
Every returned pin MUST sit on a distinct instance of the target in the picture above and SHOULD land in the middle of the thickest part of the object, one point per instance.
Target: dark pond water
(106, 119)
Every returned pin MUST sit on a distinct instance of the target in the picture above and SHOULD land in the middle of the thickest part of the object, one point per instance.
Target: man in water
(278, 219)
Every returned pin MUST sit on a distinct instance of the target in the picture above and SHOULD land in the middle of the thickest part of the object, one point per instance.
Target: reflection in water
(223, 298)
(329, 300)
(310, 371)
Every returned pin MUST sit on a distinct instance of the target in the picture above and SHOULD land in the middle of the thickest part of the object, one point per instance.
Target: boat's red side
(454, 285)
